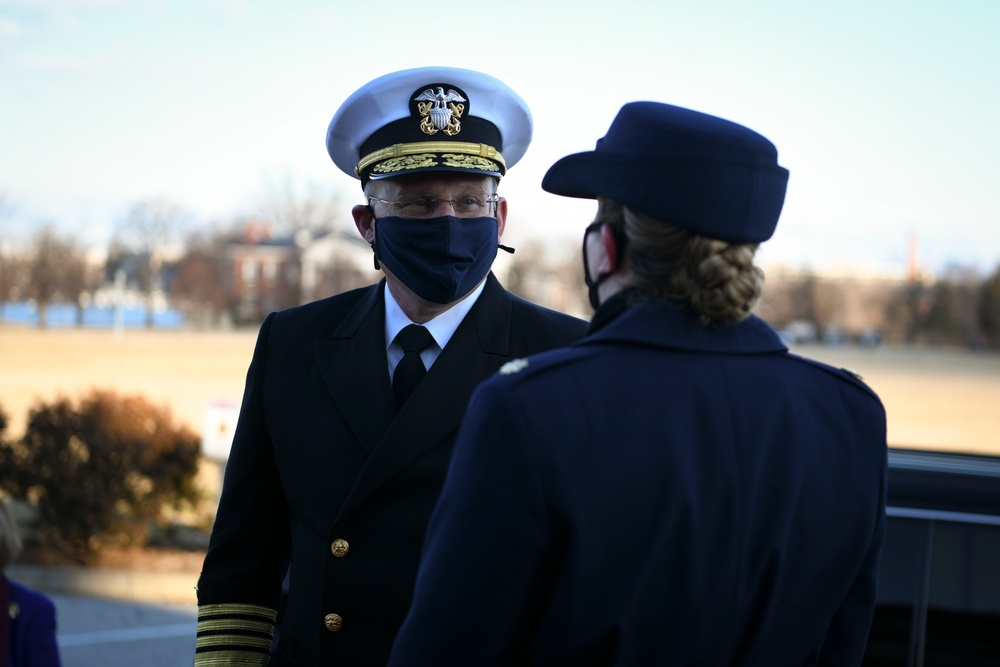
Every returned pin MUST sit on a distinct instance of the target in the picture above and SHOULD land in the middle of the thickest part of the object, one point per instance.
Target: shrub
(101, 470)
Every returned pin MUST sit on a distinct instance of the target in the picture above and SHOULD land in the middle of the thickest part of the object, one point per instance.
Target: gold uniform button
(339, 548)
(333, 622)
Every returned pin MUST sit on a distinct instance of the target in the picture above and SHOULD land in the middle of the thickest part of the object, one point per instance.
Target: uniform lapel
(359, 385)
(436, 407)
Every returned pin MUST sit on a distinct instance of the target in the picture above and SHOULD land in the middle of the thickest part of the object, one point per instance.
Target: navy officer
(676, 488)
(352, 403)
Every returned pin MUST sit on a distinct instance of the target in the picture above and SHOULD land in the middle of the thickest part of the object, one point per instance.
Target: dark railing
(939, 586)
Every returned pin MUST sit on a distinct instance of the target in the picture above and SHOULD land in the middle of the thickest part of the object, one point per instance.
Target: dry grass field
(935, 399)
(942, 399)
(183, 370)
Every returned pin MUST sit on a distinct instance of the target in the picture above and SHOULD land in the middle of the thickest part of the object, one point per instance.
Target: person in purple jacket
(28, 629)
(676, 488)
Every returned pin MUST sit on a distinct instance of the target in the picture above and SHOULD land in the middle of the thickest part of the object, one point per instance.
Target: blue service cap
(429, 119)
(705, 174)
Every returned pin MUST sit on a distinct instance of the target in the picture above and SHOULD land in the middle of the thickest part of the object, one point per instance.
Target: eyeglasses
(424, 206)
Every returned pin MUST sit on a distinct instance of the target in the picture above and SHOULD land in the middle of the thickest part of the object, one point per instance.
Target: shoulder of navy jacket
(537, 368)
(847, 375)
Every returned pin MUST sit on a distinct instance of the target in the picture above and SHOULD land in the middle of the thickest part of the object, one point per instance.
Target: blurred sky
(884, 111)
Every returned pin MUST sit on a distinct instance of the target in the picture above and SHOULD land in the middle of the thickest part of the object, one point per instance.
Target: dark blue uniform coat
(320, 454)
(31, 640)
(658, 494)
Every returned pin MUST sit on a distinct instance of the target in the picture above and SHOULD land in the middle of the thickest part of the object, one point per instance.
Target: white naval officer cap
(429, 119)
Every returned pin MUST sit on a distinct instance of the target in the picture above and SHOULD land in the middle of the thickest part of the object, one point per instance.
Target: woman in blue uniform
(676, 488)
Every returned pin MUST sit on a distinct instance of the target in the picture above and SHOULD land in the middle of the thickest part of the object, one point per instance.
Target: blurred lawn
(935, 399)
(185, 371)
(943, 399)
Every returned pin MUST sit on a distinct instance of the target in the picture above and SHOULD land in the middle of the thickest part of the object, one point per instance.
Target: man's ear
(501, 217)
(364, 220)
(608, 263)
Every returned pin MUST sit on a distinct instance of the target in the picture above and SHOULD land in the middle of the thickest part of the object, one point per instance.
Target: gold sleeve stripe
(237, 608)
(232, 659)
(234, 634)
(234, 640)
(223, 624)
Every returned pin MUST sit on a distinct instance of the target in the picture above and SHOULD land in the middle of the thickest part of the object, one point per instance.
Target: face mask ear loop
(378, 267)
(591, 283)
(594, 283)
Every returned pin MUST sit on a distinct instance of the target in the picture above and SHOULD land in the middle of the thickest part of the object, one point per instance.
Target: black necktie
(414, 339)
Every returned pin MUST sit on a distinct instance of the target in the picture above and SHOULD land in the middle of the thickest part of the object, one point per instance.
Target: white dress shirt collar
(441, 328)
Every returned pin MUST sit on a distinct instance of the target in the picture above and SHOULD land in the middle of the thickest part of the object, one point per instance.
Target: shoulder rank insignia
(515, 366)
(853, 373)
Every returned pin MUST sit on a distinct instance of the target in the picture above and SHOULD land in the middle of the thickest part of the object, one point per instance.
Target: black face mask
(441, 259)
(594, 283)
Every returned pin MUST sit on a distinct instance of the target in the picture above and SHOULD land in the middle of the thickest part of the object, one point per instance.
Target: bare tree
(44, 271)
(526, 268)
(828, 305)
(552, 282)
(789, 297)
(146, 232)
(55, 270)
(7, 267)
(951, 314)
(988, 310)
(199, 284)
(289, 207)
(77, 279)
(14, 276)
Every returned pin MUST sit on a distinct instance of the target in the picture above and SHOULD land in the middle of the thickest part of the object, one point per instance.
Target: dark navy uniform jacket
(31, 639)
(322, 461)
(658, 494)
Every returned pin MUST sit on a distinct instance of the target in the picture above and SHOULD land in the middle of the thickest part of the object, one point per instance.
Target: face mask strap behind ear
(378, 267)
(594, 283)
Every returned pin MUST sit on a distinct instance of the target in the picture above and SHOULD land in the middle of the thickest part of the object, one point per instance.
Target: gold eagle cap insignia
(440, 110)
(512, 367)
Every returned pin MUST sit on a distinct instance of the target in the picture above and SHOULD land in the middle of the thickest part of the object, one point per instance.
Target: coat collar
(663, 324)
(435, 409)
